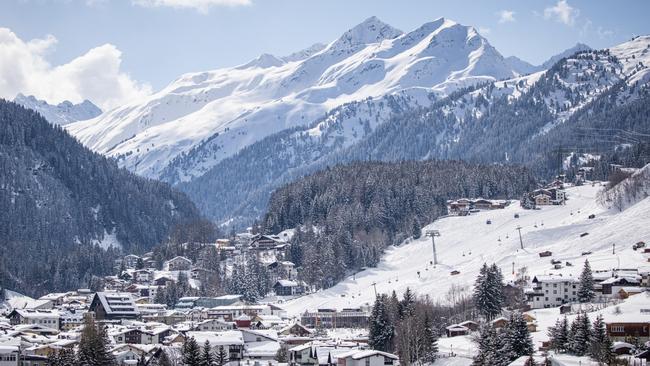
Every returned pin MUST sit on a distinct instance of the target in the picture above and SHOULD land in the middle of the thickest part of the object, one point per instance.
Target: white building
(367, 358)
(46, 318)
(550, 291)
(177, 264)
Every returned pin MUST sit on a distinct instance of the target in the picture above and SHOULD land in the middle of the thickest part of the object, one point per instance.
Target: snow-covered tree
(488, 291)
(191, 353)
(580, 335)
(518, 337)
(586, 286)
(601, 344)
(381, 330)
(207, 358)
(559, 335)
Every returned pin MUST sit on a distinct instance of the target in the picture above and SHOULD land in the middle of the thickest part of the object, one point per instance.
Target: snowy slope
(62, 113)
(468, 242)
(228, 109)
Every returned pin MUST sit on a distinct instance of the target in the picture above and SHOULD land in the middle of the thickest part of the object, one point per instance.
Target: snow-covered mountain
(523, 67)
(566, 53)
(468, 124)
(62, 113)
(224, 110)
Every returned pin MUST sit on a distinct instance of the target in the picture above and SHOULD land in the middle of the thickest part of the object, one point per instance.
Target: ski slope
(468, 242)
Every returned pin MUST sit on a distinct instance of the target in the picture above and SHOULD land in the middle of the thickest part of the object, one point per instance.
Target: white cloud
(202, 6)
(95, 75)
(562, 12)
(506, 16)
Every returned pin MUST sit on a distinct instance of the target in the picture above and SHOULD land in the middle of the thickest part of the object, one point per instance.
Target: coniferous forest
(346, 215)
(60, 200)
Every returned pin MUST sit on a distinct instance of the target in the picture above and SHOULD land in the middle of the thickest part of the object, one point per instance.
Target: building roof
(117, 303)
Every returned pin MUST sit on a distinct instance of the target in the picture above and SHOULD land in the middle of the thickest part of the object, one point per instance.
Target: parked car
(592, 216)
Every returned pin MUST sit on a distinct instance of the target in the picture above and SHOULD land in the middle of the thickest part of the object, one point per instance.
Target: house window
(388, 361)
(368, 361)
(618, 329)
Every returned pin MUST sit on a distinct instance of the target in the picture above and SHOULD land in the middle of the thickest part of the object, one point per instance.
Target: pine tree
(381, 330)
(586, 286)
(518, 337)
(488, 291)
(600, 343)
(222, 356)
(559, 335)
(206, 355)
(581, 334)
(407, 303)
(282, 355)
(430, 341)
(191, 353)
(93, 345)
(416, 230)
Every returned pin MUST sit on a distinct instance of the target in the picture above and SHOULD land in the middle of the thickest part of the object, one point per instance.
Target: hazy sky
(114, 50)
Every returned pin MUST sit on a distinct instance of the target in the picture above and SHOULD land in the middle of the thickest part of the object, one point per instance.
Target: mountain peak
(369, 31)
(62, 113)
(263, 61)
(566, 53)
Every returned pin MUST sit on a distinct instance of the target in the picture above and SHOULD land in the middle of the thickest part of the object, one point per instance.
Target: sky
(112, 51)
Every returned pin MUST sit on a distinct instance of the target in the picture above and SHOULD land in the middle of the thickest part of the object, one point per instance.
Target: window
(388, 361)
(618, 329)
(367, 361)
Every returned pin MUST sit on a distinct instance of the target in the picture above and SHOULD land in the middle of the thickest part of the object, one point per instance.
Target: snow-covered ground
(468, 242)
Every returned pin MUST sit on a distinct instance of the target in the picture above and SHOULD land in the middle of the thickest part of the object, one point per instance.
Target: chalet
(177, 264)
(626, 292)
(296, 329)
(329, 318)
(471, 325)
(499, 323)
(367, 358)
(266, 242)
(213, 325)
(198, 273)
(613, 285)
(114, 306)
(282, 269)
(456, 330)
(558, 196)
(142, 275)
(458, 206)
(545, 253)
(542, 199)
(163, 281)
(130, 261)
(621, 331)
(288, 288)
(46, 318)
(551, 291)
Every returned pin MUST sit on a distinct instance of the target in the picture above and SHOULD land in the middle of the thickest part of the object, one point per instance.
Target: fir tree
(601, 344)
(191, 353)
(518, 337)
(580, 335)
(488, 291)
(93, 345)
(586, 286)
(430, 341)
(206, 355)
(559, 335)
(222, 356)
(381, 330)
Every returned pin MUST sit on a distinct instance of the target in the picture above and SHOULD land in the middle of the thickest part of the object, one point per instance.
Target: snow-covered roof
(224, 338)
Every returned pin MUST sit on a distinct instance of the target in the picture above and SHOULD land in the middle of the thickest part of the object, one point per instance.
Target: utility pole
(433, 234)
(521, 242)
(374, 285)
(614, 248)
(513, 268)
